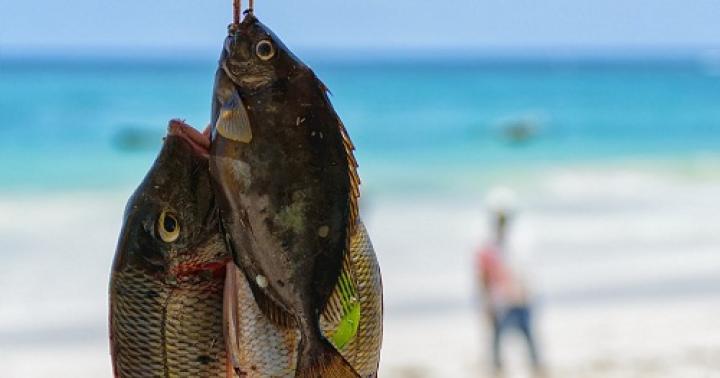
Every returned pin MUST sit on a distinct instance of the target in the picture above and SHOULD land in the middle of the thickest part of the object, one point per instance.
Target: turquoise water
(97, 124)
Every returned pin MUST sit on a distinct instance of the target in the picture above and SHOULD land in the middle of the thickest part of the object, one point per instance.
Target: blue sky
(87, 26)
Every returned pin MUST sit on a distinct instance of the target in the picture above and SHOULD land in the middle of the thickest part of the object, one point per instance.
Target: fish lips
(199, 142)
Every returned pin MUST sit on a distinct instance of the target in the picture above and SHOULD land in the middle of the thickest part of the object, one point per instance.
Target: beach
(626, 278)
(625, 272)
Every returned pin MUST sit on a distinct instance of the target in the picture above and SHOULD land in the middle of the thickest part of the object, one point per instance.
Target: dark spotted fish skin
(166, 292)
(287, 186)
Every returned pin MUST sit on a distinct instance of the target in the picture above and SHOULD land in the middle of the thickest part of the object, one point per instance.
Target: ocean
(417, 125)
(615, 164)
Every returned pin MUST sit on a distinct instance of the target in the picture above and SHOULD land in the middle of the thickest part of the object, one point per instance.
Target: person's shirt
(505, 283)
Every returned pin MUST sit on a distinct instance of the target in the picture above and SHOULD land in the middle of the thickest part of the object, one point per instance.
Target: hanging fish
(166, 287)
(287, 186)
(173, 281)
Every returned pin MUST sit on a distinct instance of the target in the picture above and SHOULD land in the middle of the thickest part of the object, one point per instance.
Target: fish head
(172, 214)
(255, 58)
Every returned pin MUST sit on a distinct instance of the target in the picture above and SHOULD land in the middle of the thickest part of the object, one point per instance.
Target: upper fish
(285, 176)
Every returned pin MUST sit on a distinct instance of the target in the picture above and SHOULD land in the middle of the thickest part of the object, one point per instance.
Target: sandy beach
(624, 265)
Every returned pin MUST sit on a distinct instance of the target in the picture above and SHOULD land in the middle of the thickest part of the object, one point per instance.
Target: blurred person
(504, 286)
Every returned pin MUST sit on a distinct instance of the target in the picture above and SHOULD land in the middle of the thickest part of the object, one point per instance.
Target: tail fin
(326, 363)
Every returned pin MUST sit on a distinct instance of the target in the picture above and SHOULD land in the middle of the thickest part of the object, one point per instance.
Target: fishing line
(237, 6)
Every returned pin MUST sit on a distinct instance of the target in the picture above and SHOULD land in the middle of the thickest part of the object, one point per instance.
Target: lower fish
(168, 276)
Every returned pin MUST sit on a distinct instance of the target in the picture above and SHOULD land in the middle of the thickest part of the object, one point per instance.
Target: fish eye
(168, 227)
(265, 50)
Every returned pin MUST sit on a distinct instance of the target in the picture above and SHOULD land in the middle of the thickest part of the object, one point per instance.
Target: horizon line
(382, 54)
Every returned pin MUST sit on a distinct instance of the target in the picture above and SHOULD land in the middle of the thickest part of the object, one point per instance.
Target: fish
(180, 306)
(168, 275)
(287, 186)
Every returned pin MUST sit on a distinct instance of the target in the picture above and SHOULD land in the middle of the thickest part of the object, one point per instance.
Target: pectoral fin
(233, 121)
(348, 325)
(341, 316)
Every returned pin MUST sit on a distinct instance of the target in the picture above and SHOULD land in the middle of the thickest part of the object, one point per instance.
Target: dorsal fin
(353, 177)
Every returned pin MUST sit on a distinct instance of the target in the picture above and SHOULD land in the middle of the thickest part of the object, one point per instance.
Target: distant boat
(520, 130)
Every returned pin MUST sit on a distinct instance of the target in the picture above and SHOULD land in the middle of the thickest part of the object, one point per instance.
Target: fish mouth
(254, 82)
(244, 75)
(200, 142)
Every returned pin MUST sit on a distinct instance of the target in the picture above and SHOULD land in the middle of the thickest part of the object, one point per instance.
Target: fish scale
(177, 332)
(138, 345)
(363, 352)
(170, 330)
(261, 348)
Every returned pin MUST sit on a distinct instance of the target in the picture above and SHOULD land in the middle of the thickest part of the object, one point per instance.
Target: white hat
(501, 199)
